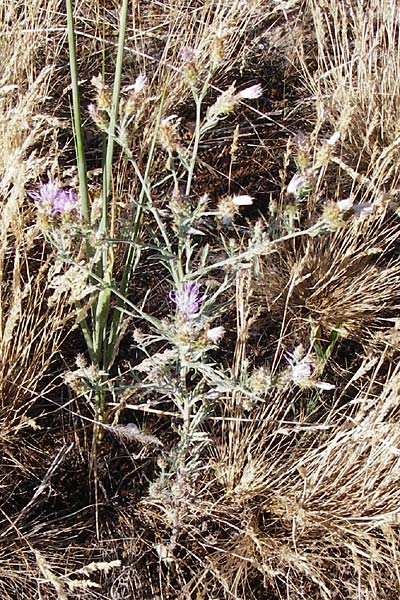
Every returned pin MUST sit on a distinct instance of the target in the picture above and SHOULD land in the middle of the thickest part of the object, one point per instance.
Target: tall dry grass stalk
(354, 79)
(31, 328)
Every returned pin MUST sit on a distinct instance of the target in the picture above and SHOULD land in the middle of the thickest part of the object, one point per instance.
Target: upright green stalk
(144, 193)
(196, 143)
(198, 98)
(80, 151)
(106, 267)
(79, 147)
(107, 167)
(96, 337)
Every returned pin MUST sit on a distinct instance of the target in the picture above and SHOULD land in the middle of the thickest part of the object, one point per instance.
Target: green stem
(196, 143)
(198, 98)
(87, 334)
(101, 348)
(130, 259)
(79, 146)
(107, 167)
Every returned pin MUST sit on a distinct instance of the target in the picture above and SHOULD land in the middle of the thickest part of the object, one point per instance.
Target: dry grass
(297, 496)
(317, 507)
(354, 82)
(348, 280)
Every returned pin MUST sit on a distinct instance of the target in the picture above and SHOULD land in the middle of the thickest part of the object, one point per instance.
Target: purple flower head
(65, 202)
(188, 300)
(300, 369)
(54, 199)
(47, 192)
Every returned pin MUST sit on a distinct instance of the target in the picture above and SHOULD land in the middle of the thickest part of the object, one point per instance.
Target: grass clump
(199, 304)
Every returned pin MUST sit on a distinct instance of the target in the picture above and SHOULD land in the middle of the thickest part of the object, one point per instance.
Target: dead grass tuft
(315, 508)
(347, 281)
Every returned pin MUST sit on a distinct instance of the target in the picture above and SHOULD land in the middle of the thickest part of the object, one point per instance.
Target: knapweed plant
(183, 376)
(86, 242)
(178, 367)
(222, 311)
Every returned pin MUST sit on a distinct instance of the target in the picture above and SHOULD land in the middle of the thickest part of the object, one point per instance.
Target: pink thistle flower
(300, 370)
(188, 300)
(216, 334)
(65, 202)
(54, 199)
(47, 192)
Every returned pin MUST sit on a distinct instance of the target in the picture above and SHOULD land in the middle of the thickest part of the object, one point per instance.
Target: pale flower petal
(295, 184)
(363, 209)
(138, 86)
(323, 385)
(243, 200)
(216, 334)
(335, 137)
(345, 204)
(168, 119)
(140, 83)
(251, 93)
